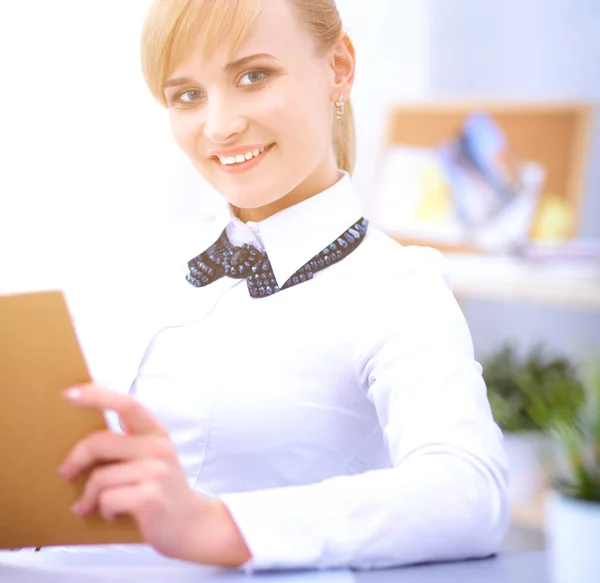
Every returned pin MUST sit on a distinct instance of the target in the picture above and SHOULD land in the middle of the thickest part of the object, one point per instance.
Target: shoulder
(409, 297)
(407, 287)
(389, 262)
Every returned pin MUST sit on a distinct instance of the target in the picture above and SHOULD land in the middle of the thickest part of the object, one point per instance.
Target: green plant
(580, 446)
(533, 392)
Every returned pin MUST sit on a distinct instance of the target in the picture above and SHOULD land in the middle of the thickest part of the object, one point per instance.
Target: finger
(117, 475)
(134, 417)
(128, 500)
(106, 446)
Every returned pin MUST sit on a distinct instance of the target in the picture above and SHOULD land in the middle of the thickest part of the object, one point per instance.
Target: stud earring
(340, 107)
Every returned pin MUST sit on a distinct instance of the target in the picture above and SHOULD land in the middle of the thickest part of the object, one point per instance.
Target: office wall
(525, 50)
(83, 149)
(392, 39)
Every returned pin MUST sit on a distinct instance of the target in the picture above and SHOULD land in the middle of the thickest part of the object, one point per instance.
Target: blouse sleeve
(445, 496)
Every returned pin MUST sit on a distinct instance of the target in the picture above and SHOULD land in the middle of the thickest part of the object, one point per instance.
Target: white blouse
(344, 421)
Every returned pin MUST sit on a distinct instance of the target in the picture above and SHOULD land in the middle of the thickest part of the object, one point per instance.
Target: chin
(247, 201)
(250, 197)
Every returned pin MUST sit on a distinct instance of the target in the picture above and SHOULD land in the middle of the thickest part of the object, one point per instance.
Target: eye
(189, 97)
(253, 78)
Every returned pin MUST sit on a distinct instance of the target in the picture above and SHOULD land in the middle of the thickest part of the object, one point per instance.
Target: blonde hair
(172, 27)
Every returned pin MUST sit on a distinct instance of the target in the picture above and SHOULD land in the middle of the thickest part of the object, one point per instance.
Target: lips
(242, 161)
(239, 151)
(239, 158)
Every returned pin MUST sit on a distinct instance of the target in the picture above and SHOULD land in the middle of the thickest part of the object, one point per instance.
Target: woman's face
(258, 125)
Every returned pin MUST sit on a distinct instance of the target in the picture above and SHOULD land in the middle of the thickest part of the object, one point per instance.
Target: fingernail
(76, 508)
(73, 394)
(62, 472)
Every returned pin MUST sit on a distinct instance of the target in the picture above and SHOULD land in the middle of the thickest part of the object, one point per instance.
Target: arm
(445, 496)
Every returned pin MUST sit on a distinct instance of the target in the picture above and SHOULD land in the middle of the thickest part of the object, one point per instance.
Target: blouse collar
(296, 234)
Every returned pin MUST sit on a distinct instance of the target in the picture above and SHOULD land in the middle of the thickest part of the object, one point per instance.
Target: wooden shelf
(505, 278)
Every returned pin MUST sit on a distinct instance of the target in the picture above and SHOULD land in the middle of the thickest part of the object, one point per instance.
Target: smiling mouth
(242, 159)
(242, 162)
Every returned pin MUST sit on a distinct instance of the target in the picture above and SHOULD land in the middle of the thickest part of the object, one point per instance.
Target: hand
(140, 475)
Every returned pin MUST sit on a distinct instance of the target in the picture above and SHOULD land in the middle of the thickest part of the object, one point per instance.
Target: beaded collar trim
(222, 259)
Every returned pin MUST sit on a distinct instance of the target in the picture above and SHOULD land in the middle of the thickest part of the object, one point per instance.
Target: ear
(343, 64)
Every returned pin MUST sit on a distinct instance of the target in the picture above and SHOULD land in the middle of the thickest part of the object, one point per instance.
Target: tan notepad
(40, 357)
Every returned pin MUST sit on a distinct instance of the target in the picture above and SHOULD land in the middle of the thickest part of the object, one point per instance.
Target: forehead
(263, 27)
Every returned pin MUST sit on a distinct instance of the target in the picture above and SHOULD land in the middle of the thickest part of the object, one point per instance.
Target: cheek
(296, 122)
(310, 114)
(310, 125)
(269, 111)
(182, 130)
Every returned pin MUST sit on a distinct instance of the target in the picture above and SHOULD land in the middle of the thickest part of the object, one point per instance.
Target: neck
(313, 185)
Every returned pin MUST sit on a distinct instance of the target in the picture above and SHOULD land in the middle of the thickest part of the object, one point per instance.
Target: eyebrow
(178, 81)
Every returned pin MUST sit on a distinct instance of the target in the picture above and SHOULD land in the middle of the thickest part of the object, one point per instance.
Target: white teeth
(226, 160)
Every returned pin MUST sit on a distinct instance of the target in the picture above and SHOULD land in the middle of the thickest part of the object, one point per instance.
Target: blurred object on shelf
(511, 224)
(435, 206)
(484, 174)
(481, 176)
(554, 219)
(415, 195)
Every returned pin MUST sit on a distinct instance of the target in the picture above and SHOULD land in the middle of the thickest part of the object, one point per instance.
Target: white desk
(528, 567)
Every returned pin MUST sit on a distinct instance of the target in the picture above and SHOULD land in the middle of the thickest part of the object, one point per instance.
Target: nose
(223, 122)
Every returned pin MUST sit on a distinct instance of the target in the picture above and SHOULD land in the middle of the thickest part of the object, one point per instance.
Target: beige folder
(39, 358)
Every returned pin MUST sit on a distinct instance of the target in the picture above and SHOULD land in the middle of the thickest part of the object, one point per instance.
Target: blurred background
(477, 132)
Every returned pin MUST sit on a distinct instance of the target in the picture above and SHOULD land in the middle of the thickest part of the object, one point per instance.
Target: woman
(318, 404)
